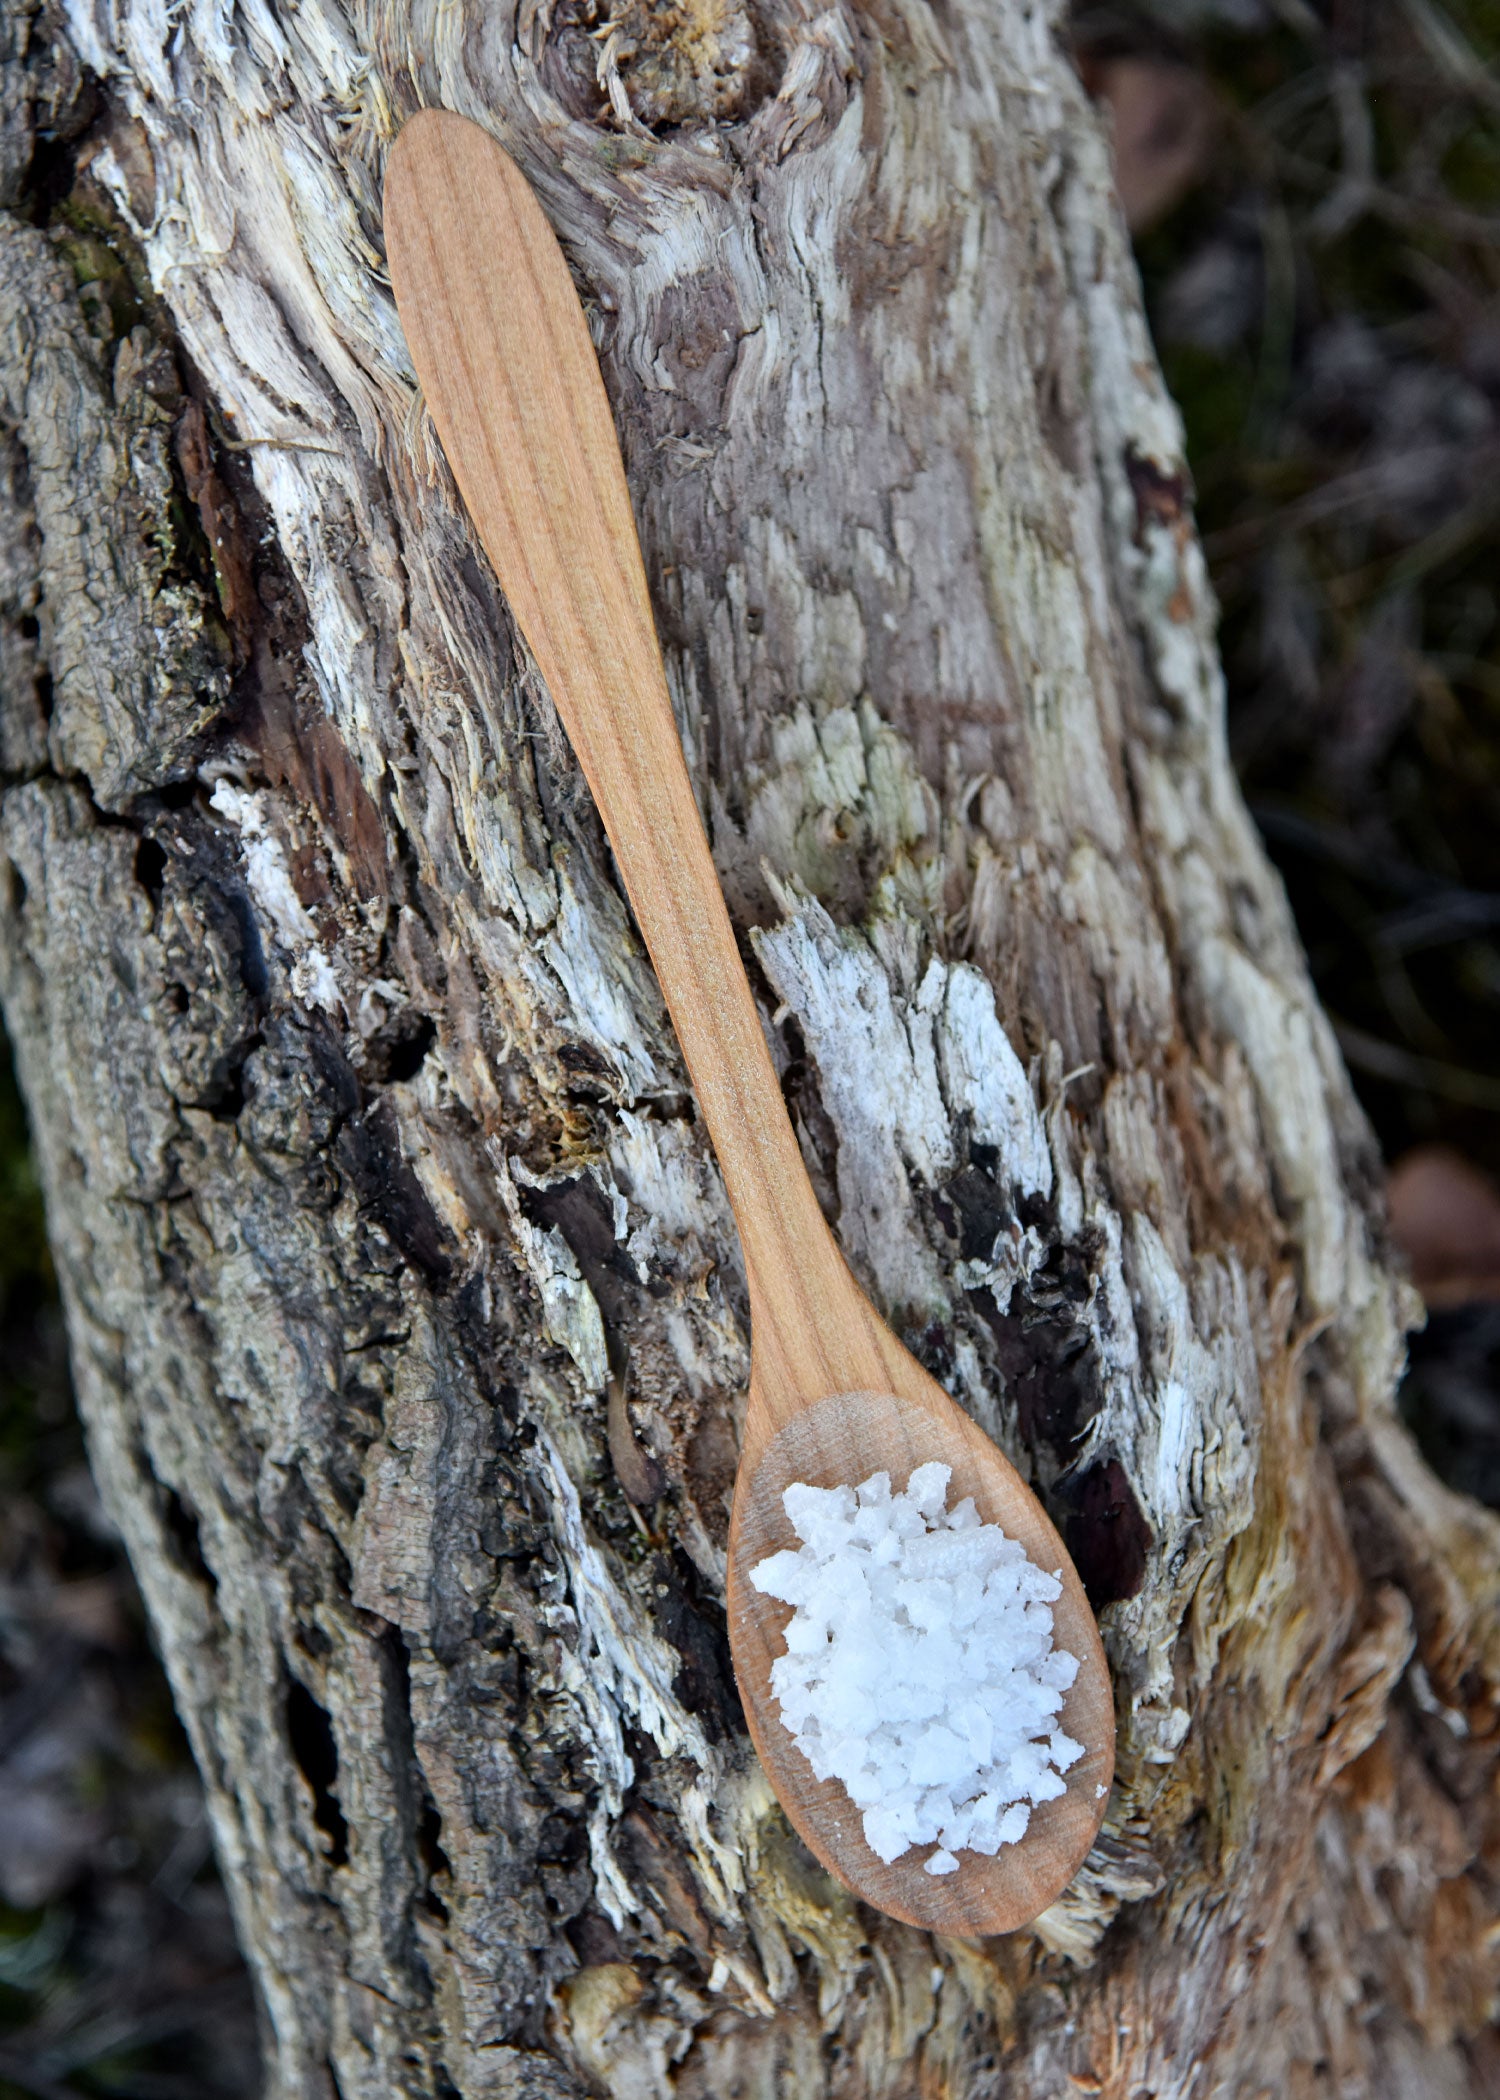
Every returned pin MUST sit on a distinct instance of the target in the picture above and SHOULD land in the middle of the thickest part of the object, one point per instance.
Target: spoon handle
(503, 352)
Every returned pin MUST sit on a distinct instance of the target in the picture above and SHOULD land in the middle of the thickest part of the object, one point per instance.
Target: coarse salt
(919, 1668)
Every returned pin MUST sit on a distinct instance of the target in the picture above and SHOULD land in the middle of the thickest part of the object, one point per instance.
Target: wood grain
(510, 375)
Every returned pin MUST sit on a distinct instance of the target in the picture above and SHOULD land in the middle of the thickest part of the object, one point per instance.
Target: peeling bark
(406, 1311)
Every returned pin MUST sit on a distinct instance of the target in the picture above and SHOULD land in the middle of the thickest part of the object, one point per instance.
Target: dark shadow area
(1315, 196)
(119, 1973)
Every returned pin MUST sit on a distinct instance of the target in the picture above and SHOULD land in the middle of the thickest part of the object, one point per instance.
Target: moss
(106, 261)
(102, 281)
(89, 212)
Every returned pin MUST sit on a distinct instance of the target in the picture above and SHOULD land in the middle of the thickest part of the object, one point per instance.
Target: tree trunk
(406, 1311)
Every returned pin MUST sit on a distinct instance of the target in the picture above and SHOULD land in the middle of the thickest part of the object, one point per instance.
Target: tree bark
(405, 1308)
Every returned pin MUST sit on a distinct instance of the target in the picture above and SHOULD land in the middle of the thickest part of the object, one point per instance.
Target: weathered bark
(405, 1308)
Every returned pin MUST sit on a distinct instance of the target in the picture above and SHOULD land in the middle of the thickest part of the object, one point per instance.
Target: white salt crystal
(919, 1668)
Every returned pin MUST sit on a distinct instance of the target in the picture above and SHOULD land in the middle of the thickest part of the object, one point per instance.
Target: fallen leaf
(1163, 131)
(1445, 1218)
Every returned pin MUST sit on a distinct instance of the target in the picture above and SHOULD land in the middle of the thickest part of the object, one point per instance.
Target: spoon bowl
(503, 352)
(840, 1441)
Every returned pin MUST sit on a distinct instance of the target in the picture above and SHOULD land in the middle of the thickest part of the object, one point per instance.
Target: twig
(1428, 1075)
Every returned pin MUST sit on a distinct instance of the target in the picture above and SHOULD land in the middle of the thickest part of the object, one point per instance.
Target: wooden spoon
(503, 353)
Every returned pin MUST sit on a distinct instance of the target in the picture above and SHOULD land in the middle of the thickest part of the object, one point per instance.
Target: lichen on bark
(405, 1306)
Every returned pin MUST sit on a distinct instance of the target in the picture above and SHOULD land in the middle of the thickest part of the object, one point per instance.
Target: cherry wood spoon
(503, 353)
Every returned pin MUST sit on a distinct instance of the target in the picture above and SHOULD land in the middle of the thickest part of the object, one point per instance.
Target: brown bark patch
(221, 526)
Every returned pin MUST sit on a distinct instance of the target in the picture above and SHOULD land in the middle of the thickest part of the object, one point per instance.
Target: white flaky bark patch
(570, 1311)
(616, 1670)
(906, 1075)
(903, 1072)
(270, 884)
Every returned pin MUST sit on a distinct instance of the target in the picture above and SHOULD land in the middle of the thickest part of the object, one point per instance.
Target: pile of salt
(919, 1668)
